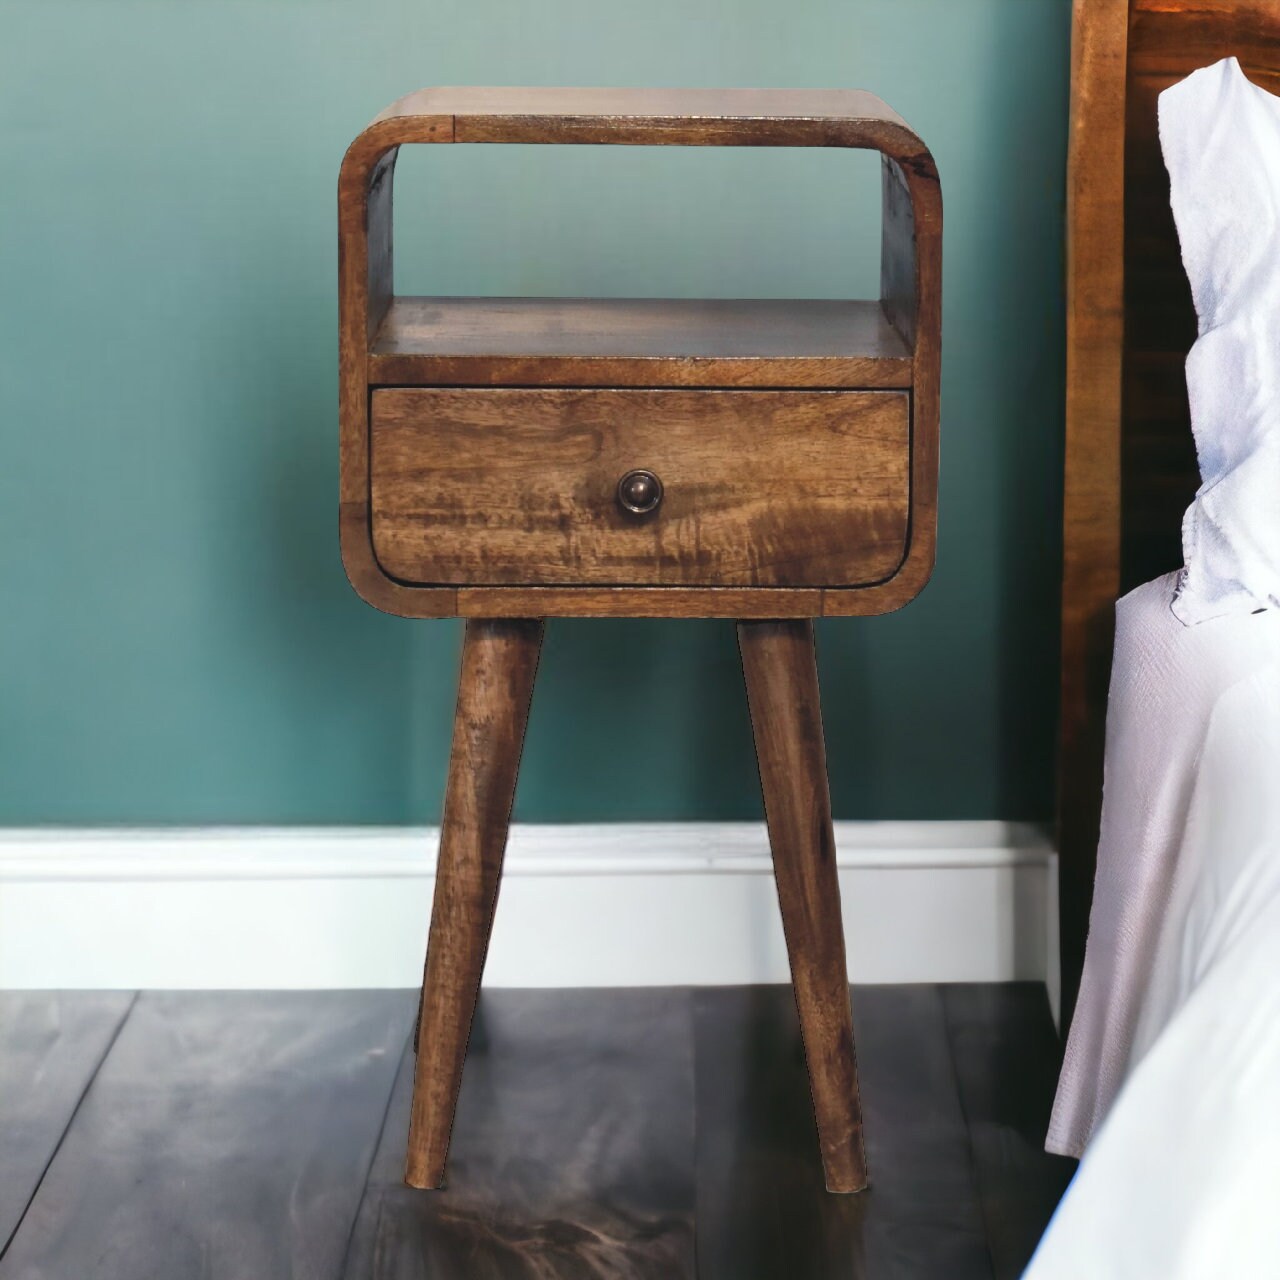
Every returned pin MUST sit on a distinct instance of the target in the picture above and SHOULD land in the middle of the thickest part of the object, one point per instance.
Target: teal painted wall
(177, 641)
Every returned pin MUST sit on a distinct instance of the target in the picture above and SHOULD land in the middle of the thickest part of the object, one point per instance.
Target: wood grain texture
(365, 254)
(1174, 37)
(638, 602)
(761, 488)
(51, 1045)
(625, 602)
(649, 117)
(911, 295)
(646, 342)
(924, 1215)
(780, 666)
(384, 593)
(1006, 1055)
(761, 1210)
(499, 662)
(866, 343)
(599, 1133)
(1091, 469)
(573, 1149)
(898, 253)
(227, 1134)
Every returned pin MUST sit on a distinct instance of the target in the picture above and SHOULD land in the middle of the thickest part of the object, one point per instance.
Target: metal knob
(639, 491)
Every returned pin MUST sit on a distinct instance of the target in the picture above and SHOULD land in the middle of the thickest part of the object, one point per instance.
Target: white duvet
(1174, 1055)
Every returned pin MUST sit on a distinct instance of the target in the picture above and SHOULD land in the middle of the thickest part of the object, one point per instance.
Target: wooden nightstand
(510, 459)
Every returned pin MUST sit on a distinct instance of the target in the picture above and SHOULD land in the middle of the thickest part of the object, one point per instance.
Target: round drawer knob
(639, 491)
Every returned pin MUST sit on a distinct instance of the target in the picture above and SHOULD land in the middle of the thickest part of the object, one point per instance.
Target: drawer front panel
(759, 488)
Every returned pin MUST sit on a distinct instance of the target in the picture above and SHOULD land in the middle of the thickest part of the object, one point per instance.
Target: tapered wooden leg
(499, 661)
(781, 672)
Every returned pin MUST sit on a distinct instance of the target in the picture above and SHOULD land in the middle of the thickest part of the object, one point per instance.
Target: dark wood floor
(639, 1133)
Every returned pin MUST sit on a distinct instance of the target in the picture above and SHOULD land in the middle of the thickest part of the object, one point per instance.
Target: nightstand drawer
(753, 488)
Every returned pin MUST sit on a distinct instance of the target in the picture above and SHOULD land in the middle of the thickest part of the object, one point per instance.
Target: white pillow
(1221, 139)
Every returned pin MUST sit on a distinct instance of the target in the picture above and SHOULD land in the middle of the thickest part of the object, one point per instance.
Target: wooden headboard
(1130, 467)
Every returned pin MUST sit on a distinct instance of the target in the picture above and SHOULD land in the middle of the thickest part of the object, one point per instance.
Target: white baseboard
(626, 905)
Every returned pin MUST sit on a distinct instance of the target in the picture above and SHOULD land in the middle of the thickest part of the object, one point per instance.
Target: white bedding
(1220, 135)
(1175, 1049)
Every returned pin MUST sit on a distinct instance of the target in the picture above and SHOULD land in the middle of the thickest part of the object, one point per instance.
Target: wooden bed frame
(1130, 467)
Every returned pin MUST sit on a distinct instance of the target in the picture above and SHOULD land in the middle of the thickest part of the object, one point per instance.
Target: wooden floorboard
(600, 1133)
(922, 1217)
(572, 1151)
(226, 1135)
(762, 1209)
(1006, 1054)
(51, 1044)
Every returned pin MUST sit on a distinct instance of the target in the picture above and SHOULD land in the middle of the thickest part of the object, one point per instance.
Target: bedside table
(511, 459)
